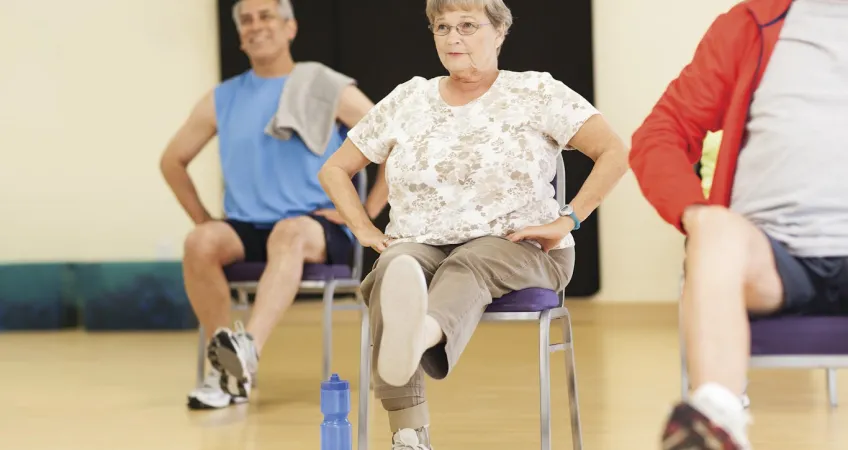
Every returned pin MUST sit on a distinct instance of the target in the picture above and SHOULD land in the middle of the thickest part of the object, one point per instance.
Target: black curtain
(382, 43)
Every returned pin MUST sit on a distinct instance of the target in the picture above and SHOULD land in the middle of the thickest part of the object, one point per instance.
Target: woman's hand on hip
(374, 238)
(548, 236)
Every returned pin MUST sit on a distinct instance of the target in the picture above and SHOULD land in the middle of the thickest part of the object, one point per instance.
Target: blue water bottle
(336, 432)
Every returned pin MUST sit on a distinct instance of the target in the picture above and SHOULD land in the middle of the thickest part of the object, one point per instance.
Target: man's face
(263, 33)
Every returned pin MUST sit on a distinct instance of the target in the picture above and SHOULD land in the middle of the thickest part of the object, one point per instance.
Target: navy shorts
(812, 286)
(254, 238)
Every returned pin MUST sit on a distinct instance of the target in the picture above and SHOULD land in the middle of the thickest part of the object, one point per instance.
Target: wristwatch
(567, 210)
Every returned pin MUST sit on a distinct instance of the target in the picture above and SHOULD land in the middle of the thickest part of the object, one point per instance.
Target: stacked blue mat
(96, 296)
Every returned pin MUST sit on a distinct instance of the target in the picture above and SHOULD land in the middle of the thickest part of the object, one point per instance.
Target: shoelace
(244, 339)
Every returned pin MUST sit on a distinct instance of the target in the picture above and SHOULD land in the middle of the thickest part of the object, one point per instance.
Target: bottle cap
(335, 384)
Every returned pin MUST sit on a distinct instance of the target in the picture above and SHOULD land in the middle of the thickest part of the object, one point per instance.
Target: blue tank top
(265, 179)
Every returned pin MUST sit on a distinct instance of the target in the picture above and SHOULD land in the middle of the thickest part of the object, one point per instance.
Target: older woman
(470, 158)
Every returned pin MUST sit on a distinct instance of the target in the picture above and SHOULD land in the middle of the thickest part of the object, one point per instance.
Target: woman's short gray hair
(284, 9)
(497, 12)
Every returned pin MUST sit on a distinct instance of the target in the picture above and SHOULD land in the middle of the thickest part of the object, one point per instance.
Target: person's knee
(386, 258)
(289, 235)
(726, 247)
(206, 242)
(715, 227)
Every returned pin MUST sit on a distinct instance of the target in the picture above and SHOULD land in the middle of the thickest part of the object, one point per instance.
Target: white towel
(308, 105)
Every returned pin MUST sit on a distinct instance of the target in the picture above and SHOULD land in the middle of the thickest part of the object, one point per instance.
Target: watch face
(566, 210)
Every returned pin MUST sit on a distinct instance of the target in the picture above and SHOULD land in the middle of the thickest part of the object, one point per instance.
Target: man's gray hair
(284, 9)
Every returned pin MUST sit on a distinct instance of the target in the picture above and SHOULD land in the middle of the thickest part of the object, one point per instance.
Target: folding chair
(534, 305)
(791, 342)
(329, 279)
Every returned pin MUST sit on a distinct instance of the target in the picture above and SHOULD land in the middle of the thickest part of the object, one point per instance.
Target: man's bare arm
(190, 139)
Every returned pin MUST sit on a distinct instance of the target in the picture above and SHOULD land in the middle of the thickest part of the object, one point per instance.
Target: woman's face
(466, 41)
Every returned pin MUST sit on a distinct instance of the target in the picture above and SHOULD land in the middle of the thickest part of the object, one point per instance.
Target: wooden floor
(75, 390)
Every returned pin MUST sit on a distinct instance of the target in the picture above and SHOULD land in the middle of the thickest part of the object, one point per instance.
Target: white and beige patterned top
(456, 173)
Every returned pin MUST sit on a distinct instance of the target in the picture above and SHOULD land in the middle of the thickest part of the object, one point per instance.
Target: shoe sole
(403, 304)
(688, 429)
(224, 356)
(196, 404)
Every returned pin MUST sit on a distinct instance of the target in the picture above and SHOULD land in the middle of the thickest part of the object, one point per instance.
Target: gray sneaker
(409, 439)
(234, 353)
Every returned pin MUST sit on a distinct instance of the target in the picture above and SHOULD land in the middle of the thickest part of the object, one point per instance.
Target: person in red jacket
(772, 238)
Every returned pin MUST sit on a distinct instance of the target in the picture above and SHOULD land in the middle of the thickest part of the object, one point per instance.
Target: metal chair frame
(828, 362)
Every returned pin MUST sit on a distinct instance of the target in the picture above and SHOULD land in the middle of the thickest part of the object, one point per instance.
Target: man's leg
(730, 271)
(291, 243)
(208, 248)
(406, 405)
(432, 328)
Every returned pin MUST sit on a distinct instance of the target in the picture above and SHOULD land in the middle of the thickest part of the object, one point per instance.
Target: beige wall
(90, 93)
(639, 47)
(88, 101)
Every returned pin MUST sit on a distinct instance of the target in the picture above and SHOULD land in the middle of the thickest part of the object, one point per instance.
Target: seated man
(773, 236)
(276, 210)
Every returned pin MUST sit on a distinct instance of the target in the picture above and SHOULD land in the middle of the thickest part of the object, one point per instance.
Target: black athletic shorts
(811, 286)
(254, 238)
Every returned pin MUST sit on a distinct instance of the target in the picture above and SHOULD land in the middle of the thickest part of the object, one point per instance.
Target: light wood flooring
(89, 391)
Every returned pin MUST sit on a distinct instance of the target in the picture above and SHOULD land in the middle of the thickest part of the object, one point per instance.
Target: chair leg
(364, 378)
(201, 356)
(831, 388)
(571, 375)
(329, 292)
(545, 379)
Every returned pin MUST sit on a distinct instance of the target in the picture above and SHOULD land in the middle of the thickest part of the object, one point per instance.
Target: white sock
(725, 409)
(432, 332)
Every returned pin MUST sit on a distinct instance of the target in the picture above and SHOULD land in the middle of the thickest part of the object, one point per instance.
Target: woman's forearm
(610, 166)
(342, 193)
(379, 196)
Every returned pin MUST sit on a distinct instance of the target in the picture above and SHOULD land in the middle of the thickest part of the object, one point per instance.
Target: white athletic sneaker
(403, 304)
(213, 393)
(235, 355)
(409, 439)
(724, 409)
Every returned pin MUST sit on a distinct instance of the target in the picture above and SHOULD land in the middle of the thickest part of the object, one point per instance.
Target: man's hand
(332, 215)
(374, 238)
(548, 236)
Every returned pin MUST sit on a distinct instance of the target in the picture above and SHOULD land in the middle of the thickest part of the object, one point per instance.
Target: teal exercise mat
(133, 296)
(36, 296)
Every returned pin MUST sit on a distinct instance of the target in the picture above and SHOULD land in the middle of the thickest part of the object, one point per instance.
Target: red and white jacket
(713, 92)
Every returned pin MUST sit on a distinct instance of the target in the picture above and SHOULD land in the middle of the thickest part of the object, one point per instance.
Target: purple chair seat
(525, 300)
(251, 271)
(799, 335)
